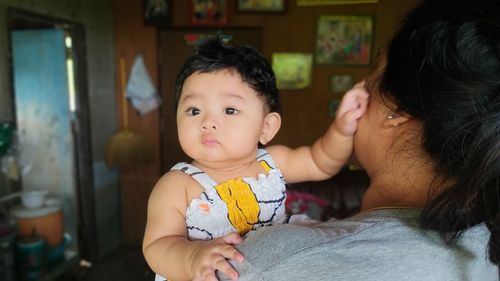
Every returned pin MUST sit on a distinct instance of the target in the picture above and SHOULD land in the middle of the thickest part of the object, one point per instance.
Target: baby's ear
(272, 124)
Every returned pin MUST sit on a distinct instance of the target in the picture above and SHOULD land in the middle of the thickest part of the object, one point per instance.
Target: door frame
(86, 222)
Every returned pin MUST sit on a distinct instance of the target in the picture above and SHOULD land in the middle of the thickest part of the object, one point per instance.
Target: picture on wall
(157, 12)
(261, 5)
(344, 40)
(332, 2)
(292, 70)
(340, 83)
(208, 12)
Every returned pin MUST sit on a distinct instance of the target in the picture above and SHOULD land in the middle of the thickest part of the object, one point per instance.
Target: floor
(126, 264)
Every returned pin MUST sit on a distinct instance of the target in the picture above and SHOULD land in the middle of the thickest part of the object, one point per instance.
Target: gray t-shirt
(379, 245)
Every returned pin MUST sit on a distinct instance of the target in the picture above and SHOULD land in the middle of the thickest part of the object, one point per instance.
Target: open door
(44, 118)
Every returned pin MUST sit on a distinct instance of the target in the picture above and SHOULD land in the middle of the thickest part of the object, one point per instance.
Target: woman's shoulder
(371, 246)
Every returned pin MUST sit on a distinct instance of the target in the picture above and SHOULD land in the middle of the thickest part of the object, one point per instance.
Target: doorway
(50, 101)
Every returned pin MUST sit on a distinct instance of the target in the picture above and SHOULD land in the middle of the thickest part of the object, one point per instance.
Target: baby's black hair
(214, 54)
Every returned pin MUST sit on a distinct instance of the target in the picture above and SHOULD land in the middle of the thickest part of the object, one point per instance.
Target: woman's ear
(395, 119)
(272, 124)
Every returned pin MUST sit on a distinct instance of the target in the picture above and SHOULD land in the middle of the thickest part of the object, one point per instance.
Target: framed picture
(340, 83)
(272, 6)
(208, 12)
(332, 2)
(157, 12)
(292, 70)
(344, 40)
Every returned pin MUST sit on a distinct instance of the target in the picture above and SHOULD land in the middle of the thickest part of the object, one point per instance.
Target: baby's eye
(193, 111)
(230, 111)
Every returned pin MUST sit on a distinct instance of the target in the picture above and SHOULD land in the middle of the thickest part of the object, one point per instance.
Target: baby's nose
(208, 124)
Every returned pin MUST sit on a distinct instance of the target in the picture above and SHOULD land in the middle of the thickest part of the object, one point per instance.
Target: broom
(127, 148)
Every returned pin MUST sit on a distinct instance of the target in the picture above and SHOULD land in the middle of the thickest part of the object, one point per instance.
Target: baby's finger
(232, 253)
(363, 95)
(363, 106)
(352, 100)
(232, 238)
(224, 267)
(358, 112)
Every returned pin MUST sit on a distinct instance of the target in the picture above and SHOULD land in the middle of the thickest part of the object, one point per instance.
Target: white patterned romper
(237, 205)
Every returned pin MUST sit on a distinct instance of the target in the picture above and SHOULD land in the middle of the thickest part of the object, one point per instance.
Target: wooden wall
(131, 38)
(305, 111)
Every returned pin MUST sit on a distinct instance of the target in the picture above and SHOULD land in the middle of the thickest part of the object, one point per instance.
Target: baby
(227, 110)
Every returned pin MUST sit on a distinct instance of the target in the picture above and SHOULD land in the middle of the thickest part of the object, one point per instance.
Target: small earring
(390, 117)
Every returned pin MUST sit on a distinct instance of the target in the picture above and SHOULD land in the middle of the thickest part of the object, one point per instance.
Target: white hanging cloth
(140, 89)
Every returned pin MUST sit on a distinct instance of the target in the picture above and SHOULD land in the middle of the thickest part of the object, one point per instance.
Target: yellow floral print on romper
(243, 208)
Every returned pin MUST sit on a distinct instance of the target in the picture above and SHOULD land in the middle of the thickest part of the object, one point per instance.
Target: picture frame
(292, 70)
(264, 6)
(341, 83)
(344, 40)
(157, 12)
(208, 12)
(332, 2)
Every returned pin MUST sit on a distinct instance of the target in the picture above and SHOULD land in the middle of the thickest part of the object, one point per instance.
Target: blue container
(56, 254)
(30, 257)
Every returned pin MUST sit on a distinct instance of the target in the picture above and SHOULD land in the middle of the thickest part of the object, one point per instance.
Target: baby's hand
(213, 255)
(351, 108)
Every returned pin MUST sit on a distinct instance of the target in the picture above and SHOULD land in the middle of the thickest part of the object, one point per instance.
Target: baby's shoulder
(279, 153)
(173, 179)
(175, 182)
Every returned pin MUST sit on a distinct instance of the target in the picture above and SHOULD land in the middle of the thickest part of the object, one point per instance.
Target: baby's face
(220, 119)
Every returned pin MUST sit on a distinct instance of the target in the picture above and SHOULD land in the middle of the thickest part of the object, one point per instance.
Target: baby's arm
(332, 150)
(166, 248)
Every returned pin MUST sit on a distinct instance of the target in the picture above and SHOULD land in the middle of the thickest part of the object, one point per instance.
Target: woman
(430, 142)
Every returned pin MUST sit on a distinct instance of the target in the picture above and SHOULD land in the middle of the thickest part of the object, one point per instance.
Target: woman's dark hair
(214, 55)
(443, 68)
